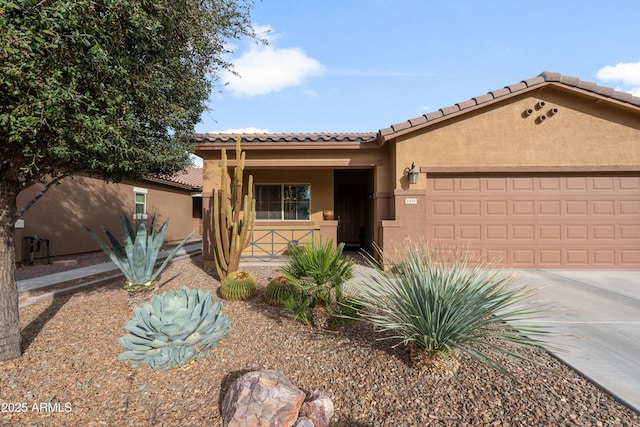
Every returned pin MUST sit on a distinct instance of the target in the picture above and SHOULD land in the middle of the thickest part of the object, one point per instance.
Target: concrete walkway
(79, 273)
(595, 318)
(596, 324)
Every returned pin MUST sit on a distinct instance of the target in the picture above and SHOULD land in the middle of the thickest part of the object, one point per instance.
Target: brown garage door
(539, 220)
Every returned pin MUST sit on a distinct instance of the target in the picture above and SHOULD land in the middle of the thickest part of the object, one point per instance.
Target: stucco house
(61, 215)
(541, 173)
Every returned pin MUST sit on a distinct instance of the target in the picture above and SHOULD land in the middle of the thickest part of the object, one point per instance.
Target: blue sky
(362, 65)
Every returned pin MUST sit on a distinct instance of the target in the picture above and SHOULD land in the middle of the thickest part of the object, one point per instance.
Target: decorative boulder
(303, 422)
(261, 399)
(318, 408)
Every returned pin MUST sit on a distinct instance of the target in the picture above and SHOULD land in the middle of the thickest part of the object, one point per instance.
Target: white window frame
(142, 191)
(282, 187)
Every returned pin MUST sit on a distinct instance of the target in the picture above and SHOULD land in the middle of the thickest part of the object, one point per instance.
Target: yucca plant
(238, 285)
(446, 309)
(137, 255)
(176, 327)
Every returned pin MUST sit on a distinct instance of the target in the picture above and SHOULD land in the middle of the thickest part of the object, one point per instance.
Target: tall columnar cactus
(233, 216)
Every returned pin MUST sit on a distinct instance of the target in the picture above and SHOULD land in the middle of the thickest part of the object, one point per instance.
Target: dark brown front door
(350, 199)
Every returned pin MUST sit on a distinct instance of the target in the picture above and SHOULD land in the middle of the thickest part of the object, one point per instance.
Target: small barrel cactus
(278, 290)
(174, 328)
(238, 285)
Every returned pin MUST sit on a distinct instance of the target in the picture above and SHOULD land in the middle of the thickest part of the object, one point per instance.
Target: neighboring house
(63, 212)
(542, 173)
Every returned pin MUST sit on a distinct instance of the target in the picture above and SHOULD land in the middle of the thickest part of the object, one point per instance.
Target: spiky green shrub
(439, 303)
(318, 270)
(137, 255)
(174, 328)
(278, 290)
(238, 285)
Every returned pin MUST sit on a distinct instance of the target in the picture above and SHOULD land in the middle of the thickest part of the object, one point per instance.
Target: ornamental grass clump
(446, 308)
(176, 327)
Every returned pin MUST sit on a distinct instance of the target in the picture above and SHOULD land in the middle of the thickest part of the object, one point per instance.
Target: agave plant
(174, 328)
(446, 309)
(137, 256)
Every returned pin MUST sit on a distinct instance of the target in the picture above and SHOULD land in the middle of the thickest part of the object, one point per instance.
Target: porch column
(410, 223)
(329, 231)
(207, 230)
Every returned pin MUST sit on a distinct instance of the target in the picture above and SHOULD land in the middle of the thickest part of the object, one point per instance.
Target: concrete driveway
(596, 320)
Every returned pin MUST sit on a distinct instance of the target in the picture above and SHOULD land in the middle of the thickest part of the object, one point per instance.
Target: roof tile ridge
(592, 87)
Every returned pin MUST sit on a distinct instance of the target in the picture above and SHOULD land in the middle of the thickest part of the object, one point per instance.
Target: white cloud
(264, 69)
(628, 74)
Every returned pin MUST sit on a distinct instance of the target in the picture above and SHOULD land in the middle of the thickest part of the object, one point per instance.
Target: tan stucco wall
(64, 211)
(583, 132)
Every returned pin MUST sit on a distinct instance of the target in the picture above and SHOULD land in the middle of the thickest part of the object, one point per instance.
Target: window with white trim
(283, 202)
(140, 203)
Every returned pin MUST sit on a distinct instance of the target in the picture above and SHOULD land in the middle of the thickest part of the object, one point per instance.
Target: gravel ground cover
(69, 375)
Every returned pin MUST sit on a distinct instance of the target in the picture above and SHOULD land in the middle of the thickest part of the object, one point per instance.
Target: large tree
(111, 88)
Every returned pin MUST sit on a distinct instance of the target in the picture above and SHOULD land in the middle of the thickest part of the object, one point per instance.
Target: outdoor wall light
(413, 174)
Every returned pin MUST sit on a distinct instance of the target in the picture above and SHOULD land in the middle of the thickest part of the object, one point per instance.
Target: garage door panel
(550, 232)
(603, 207)
(498, 233)
(604, 232)
(522, 184)
(522, 207)
(630, 232)
(576, 258)
(629, 207)
(496, 208)
(629, 257)
(575, 184)
(604, 183)
(628, 183)
(576, 207)
(551, 208)
(469, 208)
(604, 257)
(540, 220)
(552, 257)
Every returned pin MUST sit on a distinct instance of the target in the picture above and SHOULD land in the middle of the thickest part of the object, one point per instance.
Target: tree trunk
(9, 315)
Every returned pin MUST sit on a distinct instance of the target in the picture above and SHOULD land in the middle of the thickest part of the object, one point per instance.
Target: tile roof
(191, 179)
(284, 137)
(542, 79)
(379, 137)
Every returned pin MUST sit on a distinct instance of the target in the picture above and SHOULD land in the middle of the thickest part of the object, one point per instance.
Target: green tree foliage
(108, 87)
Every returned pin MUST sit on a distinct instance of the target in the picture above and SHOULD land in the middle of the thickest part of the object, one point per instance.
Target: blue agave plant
(176, 327)
(138, 254)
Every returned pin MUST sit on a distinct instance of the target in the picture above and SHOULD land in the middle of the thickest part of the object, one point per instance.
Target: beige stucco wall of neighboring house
(63, 212)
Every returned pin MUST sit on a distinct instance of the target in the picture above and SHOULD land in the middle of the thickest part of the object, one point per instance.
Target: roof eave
(275, 146)
(388, 134)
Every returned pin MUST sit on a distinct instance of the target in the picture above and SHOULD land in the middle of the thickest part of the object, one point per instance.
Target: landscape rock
(318, 407)
(261, 399)
(303, 422)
